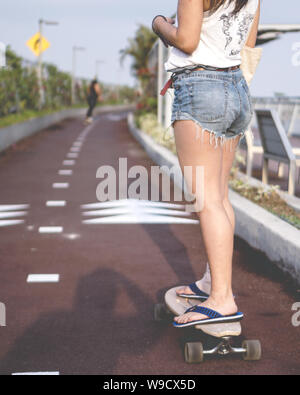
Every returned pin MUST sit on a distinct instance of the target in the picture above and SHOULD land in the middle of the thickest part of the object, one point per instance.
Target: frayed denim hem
(218, 138)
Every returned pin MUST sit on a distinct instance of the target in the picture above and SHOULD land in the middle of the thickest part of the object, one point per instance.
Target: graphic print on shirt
(235, 29)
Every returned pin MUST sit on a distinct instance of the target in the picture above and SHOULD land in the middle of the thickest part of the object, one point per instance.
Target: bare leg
(228, 149)
(216, 226)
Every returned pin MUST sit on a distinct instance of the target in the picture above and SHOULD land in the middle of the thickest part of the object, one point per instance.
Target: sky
(104, 26)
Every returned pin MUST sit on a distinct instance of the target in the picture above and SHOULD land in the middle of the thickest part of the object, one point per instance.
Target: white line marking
(77, 144)
(12, 214)
(56, 203)
(145, 219)
(65, 172)
(37, 374)
(61, 185)
(127, 202)
(51, 229)
(125, 210)
(75, 149)
(11, 207)
(11, 222)
(72, 155)
(133, 211)
(69, 162)
(43, 278)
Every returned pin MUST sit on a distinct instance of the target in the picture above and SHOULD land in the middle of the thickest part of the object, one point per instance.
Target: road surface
(79, 286)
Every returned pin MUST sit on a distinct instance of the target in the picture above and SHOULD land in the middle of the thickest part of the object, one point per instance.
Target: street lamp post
(98, 62)
(75, 49)
(40, 59)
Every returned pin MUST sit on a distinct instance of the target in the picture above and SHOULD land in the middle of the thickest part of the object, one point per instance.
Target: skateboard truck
(250, 350)
(221, 334)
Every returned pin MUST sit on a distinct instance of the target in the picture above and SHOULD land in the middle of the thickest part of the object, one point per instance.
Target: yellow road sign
(37, 44)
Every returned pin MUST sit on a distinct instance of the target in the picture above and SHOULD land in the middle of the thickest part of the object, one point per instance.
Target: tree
(138, 49)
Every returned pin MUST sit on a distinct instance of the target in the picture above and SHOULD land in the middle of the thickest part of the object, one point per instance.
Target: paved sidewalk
(96, 316)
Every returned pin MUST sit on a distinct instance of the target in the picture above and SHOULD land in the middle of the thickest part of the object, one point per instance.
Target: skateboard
(220, 336)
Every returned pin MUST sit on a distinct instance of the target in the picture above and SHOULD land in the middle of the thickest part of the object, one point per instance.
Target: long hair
(239, 4)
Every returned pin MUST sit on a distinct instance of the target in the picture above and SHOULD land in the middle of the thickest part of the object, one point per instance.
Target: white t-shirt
(223, 36)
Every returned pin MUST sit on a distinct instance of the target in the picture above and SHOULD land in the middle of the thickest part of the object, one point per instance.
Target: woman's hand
(161, 19)
(157, 23)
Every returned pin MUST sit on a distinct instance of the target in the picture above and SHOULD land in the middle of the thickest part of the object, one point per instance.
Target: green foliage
(19, 91)
(18, 86)
(138, 49)
(57, 87)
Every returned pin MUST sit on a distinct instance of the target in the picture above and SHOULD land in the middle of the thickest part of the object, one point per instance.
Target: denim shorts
(217, 101)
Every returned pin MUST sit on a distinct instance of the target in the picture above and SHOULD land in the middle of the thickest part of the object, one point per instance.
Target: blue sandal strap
(197, 291)
(205, 311)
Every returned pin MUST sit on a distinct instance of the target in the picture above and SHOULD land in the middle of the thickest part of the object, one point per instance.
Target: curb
(262, 230)
(15, 133)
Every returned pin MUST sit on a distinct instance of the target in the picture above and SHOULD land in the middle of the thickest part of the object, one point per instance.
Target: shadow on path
(111, 316)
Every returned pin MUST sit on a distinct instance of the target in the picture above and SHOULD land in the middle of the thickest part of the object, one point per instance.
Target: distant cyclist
(94, 95)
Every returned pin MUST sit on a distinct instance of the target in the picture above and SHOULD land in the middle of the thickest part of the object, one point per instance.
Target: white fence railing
(288, 109)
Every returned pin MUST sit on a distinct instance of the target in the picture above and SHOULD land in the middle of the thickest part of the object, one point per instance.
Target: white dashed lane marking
(61, 185)
(58, 203)
(75, 149)
(69, 162)
(51, 229)
(72, 155)
(43, 278)
(65, 172)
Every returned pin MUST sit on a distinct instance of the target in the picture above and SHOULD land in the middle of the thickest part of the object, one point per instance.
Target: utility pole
(40, 59)
(160, 77)
(2, 55)
(98, 62)
(73, 93)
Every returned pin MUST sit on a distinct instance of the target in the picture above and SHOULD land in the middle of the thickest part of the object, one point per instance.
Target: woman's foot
(225, 307)
(204, 285)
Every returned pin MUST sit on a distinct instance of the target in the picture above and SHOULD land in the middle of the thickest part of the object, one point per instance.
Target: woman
(211, 112)
(94, 94)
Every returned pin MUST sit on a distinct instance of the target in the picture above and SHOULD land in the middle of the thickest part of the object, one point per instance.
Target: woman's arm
(98, 91)
(251, 42)
(187, 36)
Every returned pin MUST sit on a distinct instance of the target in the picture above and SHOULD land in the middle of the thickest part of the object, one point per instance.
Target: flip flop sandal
(198, 294)
(213, 317)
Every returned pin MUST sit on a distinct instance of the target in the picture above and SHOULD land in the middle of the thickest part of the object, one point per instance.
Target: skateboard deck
(178, 306)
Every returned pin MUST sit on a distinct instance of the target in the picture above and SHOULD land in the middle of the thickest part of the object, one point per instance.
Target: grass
(22, 117)
(267, 198)
(26, 115)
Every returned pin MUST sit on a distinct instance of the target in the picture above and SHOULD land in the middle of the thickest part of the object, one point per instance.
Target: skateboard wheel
(253, 350)
(193, 353)
(160, 312)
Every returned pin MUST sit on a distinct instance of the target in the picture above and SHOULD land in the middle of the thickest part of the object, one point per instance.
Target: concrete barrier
(262, 230)
(14, 133)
